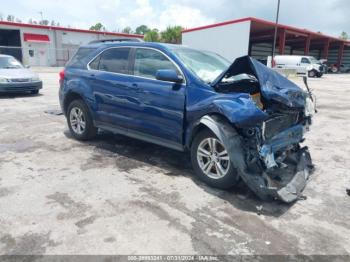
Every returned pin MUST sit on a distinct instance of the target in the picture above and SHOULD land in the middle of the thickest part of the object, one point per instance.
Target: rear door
(110, 79)
(162, 103)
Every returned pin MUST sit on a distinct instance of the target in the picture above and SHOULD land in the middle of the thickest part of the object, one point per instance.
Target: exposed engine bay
(275, 164)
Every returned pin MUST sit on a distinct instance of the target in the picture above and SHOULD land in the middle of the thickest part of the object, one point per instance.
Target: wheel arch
(70, 97)
(207, 122)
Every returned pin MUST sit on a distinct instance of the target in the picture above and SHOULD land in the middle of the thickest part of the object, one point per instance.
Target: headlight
(3, 80)
(35, 78)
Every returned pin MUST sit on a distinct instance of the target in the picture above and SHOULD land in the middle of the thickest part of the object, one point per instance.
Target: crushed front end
(274, 164)
(277, 165)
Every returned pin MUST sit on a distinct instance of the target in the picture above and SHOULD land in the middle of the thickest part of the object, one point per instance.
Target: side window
(148, 62)
(304, 60)
(95, 63)
(115, 60)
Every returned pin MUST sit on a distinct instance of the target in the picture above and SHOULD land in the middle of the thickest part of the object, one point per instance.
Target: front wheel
(312, 73)
(79, 121)
(211, 161)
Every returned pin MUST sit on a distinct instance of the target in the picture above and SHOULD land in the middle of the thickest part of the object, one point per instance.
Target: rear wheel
(211, 161)
(319, 75)
(79, 121)
(35, 92)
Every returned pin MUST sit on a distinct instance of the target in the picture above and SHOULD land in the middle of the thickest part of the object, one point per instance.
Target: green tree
(172, 34)
(142, 29)
(344, 35)
(44, 22)
(98, 27)
(127, 30)
(152, 36)
(10, 18)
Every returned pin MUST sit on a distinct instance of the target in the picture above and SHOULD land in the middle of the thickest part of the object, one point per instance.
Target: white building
(39, 45)
(254, 37)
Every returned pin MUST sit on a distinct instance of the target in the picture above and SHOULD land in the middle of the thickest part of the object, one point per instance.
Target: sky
(330, 16)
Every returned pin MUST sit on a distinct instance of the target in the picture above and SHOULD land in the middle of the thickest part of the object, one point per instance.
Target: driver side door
(162, 103)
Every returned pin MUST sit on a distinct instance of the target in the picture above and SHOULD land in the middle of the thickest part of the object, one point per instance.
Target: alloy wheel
(213, 158)
(77, 120)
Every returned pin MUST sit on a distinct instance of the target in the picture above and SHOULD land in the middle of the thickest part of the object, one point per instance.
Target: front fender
(241, 111)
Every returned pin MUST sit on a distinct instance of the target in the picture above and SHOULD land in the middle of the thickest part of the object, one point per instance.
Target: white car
(301, 64)
(15, 78)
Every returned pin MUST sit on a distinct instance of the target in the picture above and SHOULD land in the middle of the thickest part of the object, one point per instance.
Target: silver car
(14, 77)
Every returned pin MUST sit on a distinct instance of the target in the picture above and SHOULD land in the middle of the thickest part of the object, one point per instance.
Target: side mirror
(27, 66)
(168, 75)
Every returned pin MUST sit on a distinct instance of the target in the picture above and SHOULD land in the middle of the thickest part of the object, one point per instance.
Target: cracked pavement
(117, 195)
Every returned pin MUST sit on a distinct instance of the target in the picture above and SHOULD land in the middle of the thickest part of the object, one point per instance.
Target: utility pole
(276, 25)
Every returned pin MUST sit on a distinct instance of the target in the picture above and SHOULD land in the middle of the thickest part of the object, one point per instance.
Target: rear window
(81, 57)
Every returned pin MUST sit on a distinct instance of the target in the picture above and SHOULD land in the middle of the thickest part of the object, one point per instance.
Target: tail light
(61, 74)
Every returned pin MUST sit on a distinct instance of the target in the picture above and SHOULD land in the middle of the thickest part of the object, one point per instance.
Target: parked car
(302, 64)
(238, 121)
(14, 77)
(333, 68)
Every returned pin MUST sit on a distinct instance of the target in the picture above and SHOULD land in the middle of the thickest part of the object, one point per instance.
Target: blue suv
(238, 120)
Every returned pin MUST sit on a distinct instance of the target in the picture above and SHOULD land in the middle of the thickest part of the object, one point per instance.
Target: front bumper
(280, 141)
(20, 87)
(289, 191)
(287, 167)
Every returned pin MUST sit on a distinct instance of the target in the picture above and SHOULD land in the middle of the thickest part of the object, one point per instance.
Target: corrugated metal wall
(346, 58)
(262, 50)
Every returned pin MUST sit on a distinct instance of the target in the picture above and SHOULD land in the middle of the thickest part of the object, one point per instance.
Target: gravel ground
(116, 195)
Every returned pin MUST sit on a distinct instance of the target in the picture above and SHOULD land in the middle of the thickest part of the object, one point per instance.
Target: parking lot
(116, 195)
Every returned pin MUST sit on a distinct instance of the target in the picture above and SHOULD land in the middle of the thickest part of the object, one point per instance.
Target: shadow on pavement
(175, 163)
(17, 95)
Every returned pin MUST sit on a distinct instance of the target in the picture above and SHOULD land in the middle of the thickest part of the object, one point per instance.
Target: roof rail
(117, 40)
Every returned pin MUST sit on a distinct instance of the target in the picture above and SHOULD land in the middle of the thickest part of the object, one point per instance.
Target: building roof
(68, 29)
(258, 24)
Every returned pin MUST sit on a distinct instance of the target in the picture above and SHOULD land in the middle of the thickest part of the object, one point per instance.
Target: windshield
(205, 65)
(313, 60)
(8, 62)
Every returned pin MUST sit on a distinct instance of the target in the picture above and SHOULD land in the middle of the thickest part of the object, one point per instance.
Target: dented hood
(273, 86)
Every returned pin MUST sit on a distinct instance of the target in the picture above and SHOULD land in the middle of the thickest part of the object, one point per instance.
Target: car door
(304, 64)
(115, 98)
(162, 103)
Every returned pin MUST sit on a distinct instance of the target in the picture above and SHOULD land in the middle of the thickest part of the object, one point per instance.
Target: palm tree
(152, 36)
(172, 35)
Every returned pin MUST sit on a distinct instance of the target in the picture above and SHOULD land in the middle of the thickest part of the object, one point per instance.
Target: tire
(35, 92)
(230, 177)
(334, 69)
(319, 75)
(80, 121)
(312, 73)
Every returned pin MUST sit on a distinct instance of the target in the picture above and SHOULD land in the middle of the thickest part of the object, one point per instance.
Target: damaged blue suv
(239, 120)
